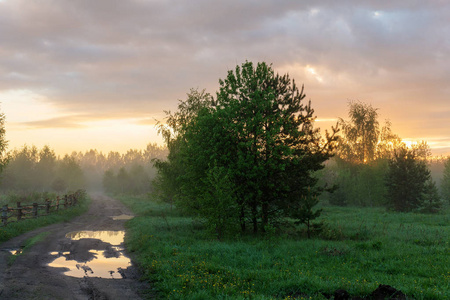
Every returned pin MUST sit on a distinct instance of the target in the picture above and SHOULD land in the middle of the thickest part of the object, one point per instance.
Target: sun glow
(408, 143)
(32, 120)
(313, 72)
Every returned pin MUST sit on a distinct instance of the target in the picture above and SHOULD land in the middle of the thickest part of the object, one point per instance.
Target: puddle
(108, 262)
(16, 251)
(99, 266)
(122, 217)
(60, 253)
(112, 237)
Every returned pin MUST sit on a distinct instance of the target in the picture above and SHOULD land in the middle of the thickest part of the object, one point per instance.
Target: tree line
(129, 172)
(30, 169)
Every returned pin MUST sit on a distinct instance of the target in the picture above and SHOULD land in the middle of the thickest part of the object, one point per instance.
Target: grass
(18, 228)
(359, 249)
(27, 245)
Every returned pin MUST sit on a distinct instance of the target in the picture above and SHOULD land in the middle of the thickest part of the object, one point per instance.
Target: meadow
(358, 249)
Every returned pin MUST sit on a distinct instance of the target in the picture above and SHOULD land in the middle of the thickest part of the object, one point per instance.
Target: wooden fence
(31, 211)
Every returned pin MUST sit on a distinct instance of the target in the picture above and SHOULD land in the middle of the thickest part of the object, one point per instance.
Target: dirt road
(38, 272)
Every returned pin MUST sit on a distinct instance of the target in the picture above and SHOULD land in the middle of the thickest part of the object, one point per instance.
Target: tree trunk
(265, 217)
(242, 219)
(308, 230)
(255, 218)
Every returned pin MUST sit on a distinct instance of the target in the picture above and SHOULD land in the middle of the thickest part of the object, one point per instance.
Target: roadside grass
(27, 245)
(359, 249)
(17, 228)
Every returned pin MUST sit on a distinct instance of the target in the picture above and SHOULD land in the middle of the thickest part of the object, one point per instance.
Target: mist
(33, 170)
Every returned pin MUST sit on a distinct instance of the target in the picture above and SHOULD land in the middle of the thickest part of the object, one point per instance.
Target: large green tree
(171, 170)
(259, 136)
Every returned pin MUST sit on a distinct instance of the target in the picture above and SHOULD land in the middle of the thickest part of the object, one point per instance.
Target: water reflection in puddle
(16, 251)
(112, 237)
(122, 217)
(104, 263)
(100, 266)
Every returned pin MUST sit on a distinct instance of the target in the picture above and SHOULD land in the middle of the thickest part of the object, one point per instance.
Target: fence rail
(35, 210)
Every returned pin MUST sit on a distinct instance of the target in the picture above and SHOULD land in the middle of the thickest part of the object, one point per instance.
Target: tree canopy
(361, 139)
(255, 143)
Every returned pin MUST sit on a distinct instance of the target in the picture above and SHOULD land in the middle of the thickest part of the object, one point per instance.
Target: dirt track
(30, 277)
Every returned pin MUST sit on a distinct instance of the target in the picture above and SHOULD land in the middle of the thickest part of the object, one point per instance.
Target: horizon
(135, 130)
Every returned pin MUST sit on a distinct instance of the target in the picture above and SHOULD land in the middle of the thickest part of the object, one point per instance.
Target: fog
(33, 170)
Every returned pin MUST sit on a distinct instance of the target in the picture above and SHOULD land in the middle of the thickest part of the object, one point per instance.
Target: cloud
(90, 120)
(136, 58)
(60, 122)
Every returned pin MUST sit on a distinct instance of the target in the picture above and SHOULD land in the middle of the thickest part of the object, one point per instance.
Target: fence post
(65, 201)
(47, 206)
(5, 215)
(19, 211)
(35, 210)
(57, 203)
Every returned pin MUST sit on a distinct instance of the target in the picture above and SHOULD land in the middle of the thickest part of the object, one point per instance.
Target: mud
(80, 259)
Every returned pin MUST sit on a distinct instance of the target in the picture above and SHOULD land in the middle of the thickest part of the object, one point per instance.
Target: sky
(83, 74)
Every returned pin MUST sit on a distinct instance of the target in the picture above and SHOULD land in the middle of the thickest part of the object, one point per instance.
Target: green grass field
(360, 249)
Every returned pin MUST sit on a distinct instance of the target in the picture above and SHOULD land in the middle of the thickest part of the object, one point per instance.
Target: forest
(31, 170)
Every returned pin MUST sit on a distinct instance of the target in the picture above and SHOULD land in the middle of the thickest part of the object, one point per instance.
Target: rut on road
(30, 277)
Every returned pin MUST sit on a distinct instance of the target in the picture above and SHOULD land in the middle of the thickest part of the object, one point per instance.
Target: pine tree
(431, 200)
(304, 213)
(261, 131)
(406, 180)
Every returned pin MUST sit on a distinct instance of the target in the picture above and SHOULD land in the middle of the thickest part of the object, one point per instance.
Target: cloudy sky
(81, 74)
